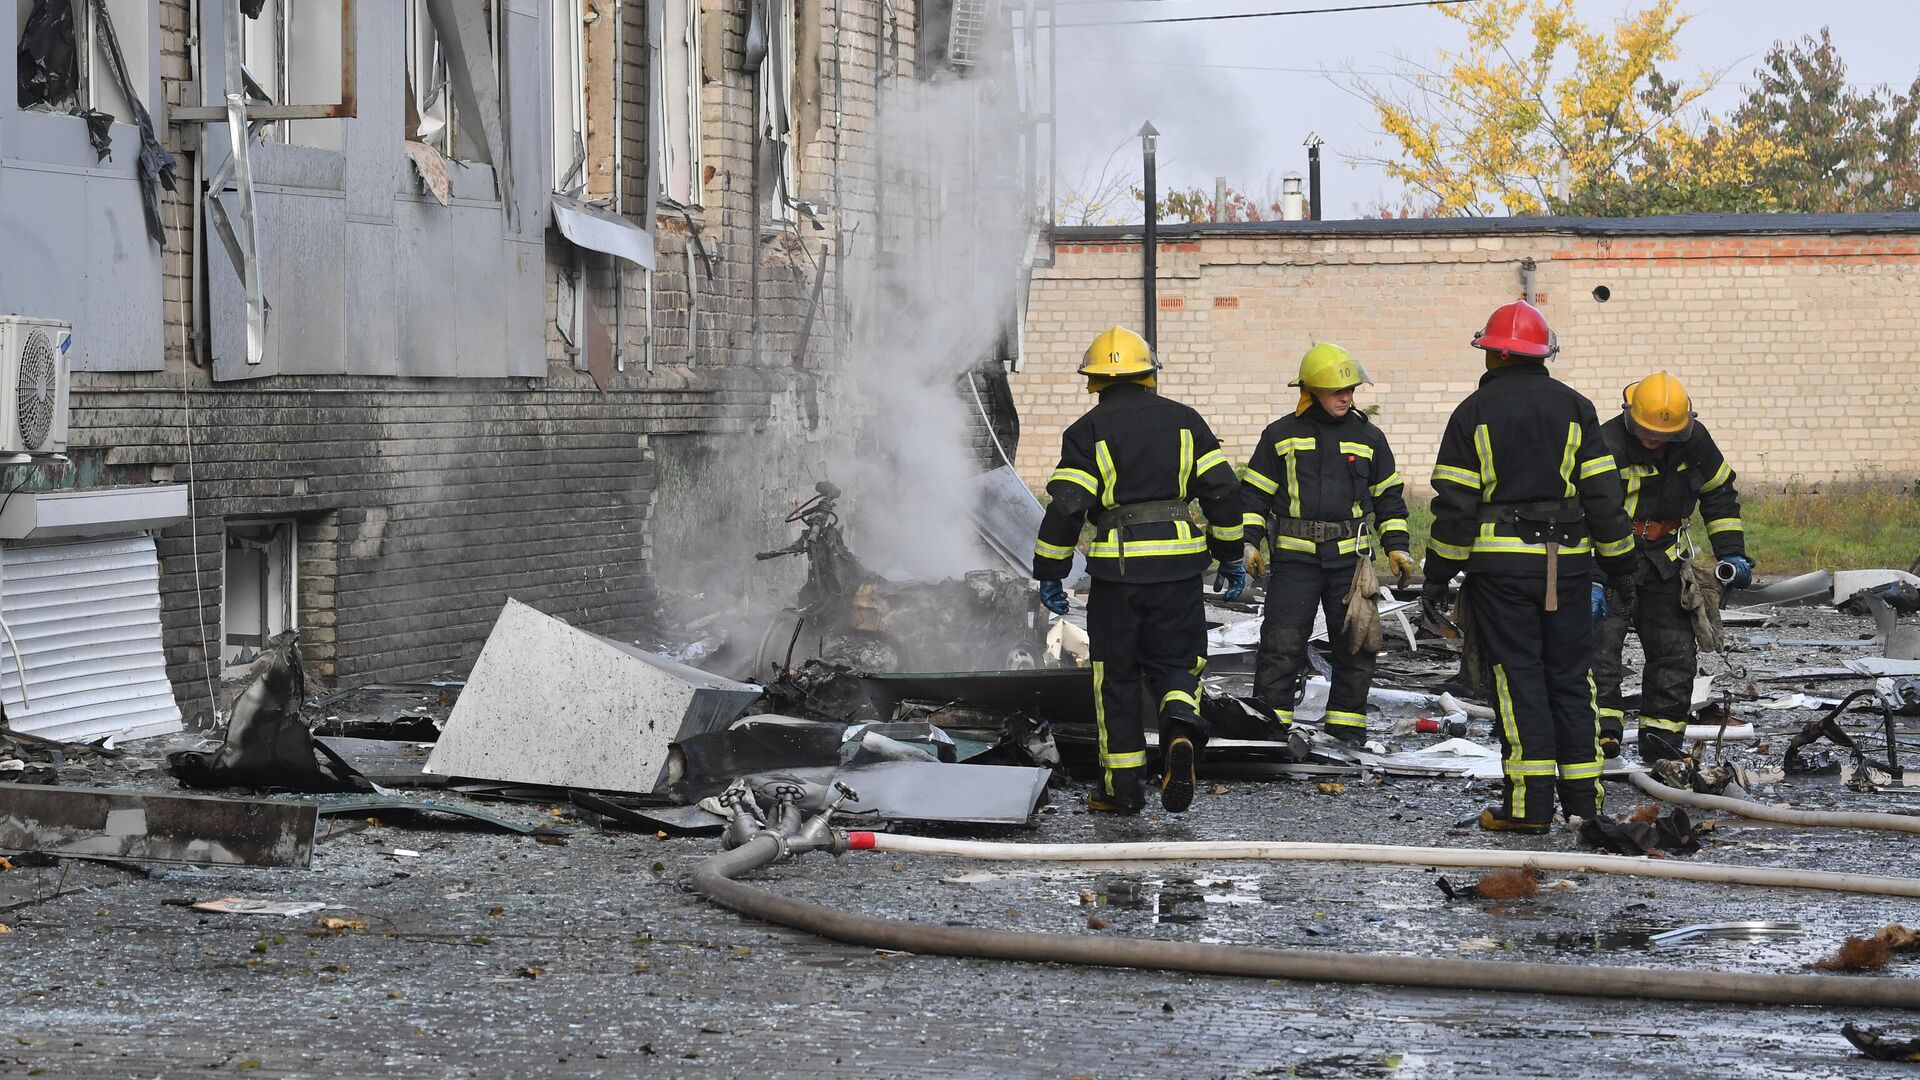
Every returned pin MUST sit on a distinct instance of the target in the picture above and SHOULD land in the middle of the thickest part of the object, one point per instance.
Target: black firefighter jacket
(1522, 441)
(1134, 447)
(1669, 483)
(1311, 466)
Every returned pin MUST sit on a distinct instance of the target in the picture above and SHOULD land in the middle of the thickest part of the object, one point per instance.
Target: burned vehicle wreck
(845, 613)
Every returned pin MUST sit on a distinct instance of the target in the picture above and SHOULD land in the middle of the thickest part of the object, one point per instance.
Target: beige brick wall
(1798, 348)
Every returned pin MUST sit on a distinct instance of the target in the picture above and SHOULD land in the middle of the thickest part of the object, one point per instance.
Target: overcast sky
(1238, 98)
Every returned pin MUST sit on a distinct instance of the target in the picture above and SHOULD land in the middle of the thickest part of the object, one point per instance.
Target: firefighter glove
(1402, 565)
(1623, 592)
(1599, 602)
(1256, 560)
(1054, 597)
(1232, 580)
(1742, 568)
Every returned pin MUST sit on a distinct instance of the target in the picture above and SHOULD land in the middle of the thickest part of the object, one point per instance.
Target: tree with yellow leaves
(1542, 113)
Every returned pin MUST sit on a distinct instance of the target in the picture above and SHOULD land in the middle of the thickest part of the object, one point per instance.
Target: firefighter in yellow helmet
(1322, 486)
(1131, 465)
(1669, 465)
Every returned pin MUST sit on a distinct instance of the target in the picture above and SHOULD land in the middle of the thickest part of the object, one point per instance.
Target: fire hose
(715, 879)
(1759, 811)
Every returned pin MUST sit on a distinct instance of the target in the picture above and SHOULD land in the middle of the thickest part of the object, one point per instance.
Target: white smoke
(954, 227)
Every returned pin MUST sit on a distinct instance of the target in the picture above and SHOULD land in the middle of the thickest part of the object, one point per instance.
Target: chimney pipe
(1313, 177)
(1292, 202)
(1151, 271)
(1219, 198)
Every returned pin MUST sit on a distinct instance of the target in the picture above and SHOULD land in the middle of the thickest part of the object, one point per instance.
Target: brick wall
(422, 504)
(1798, 347)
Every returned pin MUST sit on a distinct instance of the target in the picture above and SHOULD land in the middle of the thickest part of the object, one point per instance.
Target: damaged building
(360, 318)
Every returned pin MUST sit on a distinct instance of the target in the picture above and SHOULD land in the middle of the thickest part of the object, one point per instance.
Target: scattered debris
(1517, 883)
(1672, 833)
(1879, 1045)
(1514, 884)
(242, 905)
(1752, 928)
(268, 745)
(399, 804)
(1871, 953)
(130, 825)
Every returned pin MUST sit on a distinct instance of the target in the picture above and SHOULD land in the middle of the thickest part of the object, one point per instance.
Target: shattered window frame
(94, 85)
(432, 98)
(779, 85)
(676, 104)
(282, 58)
(276, 585)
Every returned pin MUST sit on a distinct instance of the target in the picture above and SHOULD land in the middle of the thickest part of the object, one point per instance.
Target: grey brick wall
(423, 504)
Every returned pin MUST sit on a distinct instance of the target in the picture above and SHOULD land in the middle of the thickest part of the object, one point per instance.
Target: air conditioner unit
(33, 384)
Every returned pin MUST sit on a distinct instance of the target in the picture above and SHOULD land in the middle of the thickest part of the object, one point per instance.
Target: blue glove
(1742, 571)
(1232, 580)
(1599, 602)
(1054, 597)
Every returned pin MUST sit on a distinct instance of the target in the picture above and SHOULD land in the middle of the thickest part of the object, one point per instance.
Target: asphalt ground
(492, 954)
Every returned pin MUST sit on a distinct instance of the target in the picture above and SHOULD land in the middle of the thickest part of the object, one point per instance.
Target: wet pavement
(493, 954)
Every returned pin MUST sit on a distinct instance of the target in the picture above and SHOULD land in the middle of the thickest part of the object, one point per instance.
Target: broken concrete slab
(551, 705)
(135, 826)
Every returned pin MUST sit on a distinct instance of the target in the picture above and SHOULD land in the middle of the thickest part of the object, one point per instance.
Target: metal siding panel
(526, 99)
(77, 250)
(87, 619)
(479, 305)
(426, 270)
(124, 324)
(528, 308)
(303, 244)
(376, 166)
(371, 284)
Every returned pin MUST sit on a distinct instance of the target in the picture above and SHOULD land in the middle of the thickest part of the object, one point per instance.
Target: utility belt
(1139, 513)
(1551, 522)
(1317, 531)
(1655, 529)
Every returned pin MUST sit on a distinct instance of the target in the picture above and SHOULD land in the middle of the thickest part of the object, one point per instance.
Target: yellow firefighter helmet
(1657, 407)
(1327, 367)
(1119, 353)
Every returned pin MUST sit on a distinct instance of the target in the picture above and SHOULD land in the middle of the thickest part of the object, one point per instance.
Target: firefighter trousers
(1543, 695)
(1293, 591)
(1666, 680)
(1144, 640)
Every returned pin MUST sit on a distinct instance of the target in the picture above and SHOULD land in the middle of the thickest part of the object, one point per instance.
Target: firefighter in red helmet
(1527, 501)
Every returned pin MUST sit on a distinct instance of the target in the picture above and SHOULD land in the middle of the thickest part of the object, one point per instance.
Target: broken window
(569, 96)
(778, 63)
(258, 599)
(291, 52)
(678, 103)
(587, 51)
(65, 58)
(434, 114)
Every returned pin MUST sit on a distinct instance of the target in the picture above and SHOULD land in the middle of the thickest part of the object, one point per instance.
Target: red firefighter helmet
(1517, 328)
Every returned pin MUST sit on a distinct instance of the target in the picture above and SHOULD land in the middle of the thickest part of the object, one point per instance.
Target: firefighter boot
(1495, 819)
(1118, 792)
(1181, 758)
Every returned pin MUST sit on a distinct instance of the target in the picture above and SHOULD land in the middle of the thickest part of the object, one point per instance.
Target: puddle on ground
(1177, 900)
